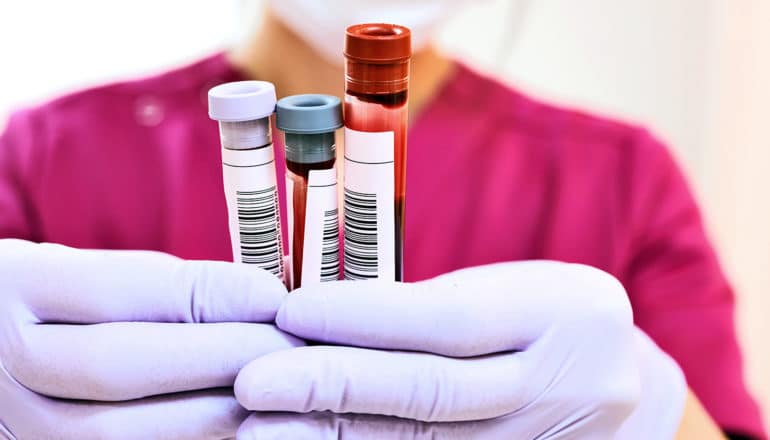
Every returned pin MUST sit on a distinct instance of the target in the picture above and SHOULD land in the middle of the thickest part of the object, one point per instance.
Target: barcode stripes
(330, 258)
(258, 222)
(361, 260)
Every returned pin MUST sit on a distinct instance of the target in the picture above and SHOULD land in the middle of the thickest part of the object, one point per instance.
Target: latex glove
(160, 341)
(664, 392)
(511, 351)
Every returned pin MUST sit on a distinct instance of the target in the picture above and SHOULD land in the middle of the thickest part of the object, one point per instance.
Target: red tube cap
(378, 43)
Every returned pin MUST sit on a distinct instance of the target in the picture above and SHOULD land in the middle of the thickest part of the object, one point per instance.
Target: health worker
(487, 340)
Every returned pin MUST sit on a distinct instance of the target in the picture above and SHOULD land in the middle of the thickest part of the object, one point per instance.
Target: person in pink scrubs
(493, 175)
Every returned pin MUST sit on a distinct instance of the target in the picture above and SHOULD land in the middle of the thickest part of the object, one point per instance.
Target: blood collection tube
(376, 87)
(308, 123)
(243, 110)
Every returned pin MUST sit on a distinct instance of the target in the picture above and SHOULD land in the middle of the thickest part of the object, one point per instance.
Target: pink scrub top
(492, 176)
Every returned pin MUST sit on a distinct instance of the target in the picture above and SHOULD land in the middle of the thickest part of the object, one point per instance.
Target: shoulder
(110, 103)
(118, 115)
(607, 157)
(577, 131)
(578, 158)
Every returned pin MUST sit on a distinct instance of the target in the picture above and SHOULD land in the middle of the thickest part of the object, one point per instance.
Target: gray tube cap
(308, 114)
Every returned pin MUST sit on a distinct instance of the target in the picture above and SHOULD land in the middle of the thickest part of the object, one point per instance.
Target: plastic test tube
(243, 110)
(376, 97)
(308, 123)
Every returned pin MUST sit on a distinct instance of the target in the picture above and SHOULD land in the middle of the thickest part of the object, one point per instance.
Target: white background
(696, 71)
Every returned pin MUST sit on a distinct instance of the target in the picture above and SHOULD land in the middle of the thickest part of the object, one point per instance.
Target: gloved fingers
(331, 426)
(61, 284)
(122, 361)
(411, 385)
(662, 397)
(471, 312)
(207, 414)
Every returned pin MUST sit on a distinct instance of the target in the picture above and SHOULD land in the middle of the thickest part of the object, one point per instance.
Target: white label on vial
(252, 207)
(370, 225)
(320, 251)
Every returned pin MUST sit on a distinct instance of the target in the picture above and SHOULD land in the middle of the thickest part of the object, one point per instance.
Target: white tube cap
(242, 101)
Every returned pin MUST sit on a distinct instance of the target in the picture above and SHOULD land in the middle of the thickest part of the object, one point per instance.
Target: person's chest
(477, 197)
(472, 199)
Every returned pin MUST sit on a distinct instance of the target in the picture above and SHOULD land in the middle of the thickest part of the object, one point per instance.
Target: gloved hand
(510, 351)
(127, 344)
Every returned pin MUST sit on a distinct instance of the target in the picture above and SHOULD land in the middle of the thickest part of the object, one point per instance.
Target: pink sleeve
(19, 149)
(679, 292)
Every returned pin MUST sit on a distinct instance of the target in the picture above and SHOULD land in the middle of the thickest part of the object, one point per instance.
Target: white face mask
(322, 23)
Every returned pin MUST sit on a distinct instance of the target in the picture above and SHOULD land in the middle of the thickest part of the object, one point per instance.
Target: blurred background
(697, 72)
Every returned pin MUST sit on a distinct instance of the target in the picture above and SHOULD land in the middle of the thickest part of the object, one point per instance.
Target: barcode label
(369, 218)
(361, 260)
(260, 238)
(252, 208)
(330, 260)
(321, 242)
